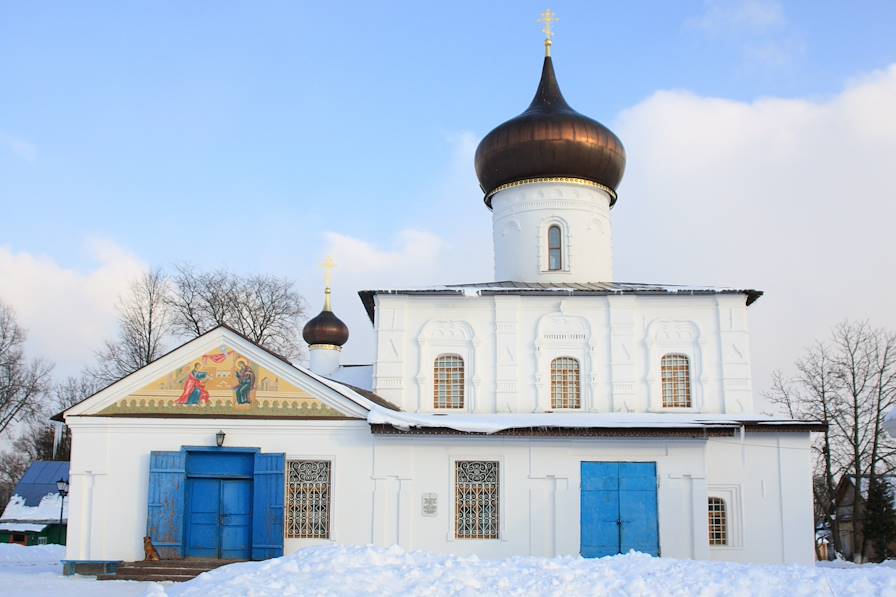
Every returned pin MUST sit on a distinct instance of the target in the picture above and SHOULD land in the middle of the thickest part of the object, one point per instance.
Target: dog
(150, 550)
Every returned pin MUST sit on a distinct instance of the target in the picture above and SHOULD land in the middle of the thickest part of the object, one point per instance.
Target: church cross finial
(548, 17)
(328, 265)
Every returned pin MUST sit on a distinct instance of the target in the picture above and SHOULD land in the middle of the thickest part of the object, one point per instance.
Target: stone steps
(164, 570)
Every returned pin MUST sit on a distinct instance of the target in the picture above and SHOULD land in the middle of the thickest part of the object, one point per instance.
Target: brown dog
(150, 550)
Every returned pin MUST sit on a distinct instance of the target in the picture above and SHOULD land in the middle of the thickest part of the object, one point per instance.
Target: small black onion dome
(325, 328)
(549, 140)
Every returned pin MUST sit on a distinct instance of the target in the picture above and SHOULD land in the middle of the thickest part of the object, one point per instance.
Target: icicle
(58, 431)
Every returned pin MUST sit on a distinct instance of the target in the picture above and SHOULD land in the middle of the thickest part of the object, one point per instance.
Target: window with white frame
(476, 499)
(555, 249)
(448, 381)
(565, 386)
(308, 499)
(718, 521)
(676, 377)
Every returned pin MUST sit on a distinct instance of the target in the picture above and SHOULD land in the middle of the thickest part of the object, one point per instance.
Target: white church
(553, 411)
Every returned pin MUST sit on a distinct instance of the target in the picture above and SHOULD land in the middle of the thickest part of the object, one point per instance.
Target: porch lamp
(62, 486)
(219, 438)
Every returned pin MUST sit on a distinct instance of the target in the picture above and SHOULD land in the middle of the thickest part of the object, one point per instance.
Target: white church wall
(765, 480)
(379, 483)
(521, 217)
(110, 472)
(508, 342)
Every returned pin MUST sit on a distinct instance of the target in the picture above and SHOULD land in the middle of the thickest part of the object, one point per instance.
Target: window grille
(448, 381)
(555, 249)
(476, 499)
(718, 522)
(308, 499)
(676, 374)
(565, 388)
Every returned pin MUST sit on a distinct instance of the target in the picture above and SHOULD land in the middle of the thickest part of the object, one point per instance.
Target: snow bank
(355, 570)
(48, 509)
(10, 552)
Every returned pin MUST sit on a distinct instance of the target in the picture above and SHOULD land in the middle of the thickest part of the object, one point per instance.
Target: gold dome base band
(548, 179)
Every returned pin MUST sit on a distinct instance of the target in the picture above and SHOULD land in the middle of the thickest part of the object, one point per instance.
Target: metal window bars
(718, 522)
(676, 379)
(476, 504)
(565, 386)
(308, 499)
(448, 381)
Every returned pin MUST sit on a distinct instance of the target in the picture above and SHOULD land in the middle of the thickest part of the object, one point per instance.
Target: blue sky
(261, 135)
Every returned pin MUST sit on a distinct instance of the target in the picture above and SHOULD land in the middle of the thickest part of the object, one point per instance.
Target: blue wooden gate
(216, 503)
(618, 508)
(165, 503)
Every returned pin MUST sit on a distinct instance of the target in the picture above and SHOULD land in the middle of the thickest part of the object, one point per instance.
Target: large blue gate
(618, 508)
(216, 503)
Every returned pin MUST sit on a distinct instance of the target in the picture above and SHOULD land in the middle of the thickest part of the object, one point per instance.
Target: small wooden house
(37, 513)
(851, 514)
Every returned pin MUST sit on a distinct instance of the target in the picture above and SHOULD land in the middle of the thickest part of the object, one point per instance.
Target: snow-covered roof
(22, 527)
(498, 423)
(46, 511)
(555, 289)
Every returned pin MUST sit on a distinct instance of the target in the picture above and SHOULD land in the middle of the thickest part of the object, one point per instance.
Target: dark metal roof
(40, 480)
(548, 140)
(325, 328)
(556, 289)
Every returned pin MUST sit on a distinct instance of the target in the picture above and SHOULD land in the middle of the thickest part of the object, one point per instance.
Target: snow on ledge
(493, 423)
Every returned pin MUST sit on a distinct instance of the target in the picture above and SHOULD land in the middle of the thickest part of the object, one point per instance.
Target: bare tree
(23, 381)
(812, 395)
(265, 309)
(849, 383)
(144, 326)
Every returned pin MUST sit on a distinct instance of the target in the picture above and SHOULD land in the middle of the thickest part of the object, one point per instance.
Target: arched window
(676, 373)
(718, 522)
(448, 381)
(565, 387)
(555, 249)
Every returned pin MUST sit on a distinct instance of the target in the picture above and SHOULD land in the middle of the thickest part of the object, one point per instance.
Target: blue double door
(219, 518)
(618, 508)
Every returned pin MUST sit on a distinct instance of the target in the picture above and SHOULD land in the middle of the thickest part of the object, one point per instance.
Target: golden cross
(548, 17)
(328, 265)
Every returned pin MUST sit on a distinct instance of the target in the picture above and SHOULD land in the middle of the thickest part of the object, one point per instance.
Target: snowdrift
(356, 570)
(10, 552)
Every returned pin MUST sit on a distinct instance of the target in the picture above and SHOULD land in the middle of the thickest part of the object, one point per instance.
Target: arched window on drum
(555, 248)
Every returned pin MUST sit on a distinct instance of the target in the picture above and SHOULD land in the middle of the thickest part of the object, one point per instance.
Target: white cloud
(67, 312)
(721, 17)
(19, 147)
(794, 197)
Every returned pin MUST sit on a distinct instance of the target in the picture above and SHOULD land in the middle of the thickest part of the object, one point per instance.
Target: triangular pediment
(221, 374)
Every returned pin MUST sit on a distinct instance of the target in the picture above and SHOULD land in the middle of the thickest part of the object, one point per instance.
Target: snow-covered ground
(356, 570)
(36, 572)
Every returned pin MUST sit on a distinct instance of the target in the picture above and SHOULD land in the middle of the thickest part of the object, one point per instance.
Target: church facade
(553, 411)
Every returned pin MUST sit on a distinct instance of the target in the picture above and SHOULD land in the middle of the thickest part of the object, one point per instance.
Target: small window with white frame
(476, 499)
(565, 383)
(675, 370)
(555, 248)
(448, 381)
(308, 499)
(718, 522)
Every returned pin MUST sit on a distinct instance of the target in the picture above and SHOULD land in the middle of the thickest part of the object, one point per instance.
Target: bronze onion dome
(549, 140)
(325, 327)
